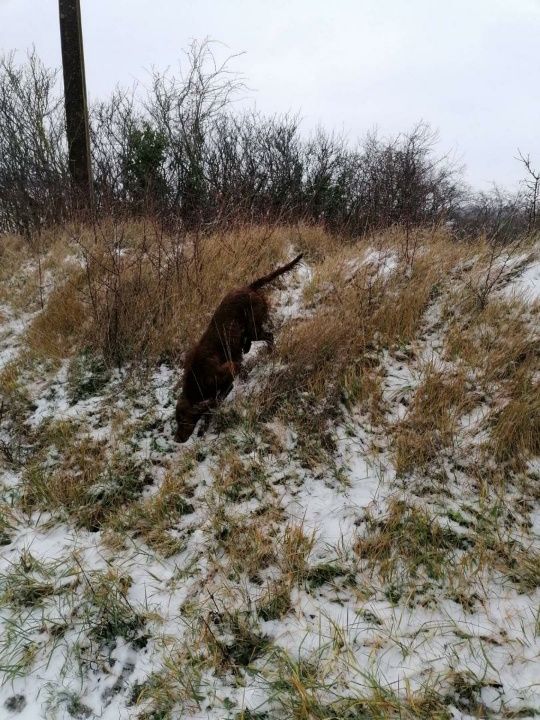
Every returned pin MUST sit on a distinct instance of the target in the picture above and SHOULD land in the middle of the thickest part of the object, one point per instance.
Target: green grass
(107, 612)
(29, 582)
(87, 376)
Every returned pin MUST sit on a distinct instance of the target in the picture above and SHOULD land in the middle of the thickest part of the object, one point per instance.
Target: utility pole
(78, 134)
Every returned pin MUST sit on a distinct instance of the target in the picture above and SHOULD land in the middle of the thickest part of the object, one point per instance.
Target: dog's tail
(262, 281)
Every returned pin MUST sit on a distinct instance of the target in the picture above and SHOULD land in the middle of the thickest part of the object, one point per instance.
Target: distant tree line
(183, 153)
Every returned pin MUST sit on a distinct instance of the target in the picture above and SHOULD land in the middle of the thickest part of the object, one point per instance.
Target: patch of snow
(288, 304)
(384, 261)
(12, 328)
(528, 282)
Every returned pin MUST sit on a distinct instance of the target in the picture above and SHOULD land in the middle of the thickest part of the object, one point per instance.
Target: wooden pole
(78, 134)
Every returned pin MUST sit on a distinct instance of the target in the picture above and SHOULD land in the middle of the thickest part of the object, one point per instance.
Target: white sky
(469, 68)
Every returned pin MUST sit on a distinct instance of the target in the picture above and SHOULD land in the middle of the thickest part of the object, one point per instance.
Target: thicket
(179, 149)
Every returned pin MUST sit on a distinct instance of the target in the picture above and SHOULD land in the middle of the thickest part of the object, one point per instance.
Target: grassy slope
(358, 534)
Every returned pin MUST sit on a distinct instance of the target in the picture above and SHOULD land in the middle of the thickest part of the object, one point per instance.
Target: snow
(11, 330)
(352, 628)
(289, 300)
(528, 283)
(384, 261)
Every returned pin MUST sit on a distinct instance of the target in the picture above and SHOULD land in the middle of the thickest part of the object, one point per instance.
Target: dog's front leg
(204, 424)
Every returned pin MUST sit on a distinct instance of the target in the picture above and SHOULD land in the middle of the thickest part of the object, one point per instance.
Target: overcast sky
(469, 68)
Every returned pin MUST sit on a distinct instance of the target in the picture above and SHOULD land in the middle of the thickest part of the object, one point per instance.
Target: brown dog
(212, 365)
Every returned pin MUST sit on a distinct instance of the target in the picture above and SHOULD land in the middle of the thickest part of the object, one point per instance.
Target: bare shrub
(532, 192)
(498, 214)
(179, 150)
(33, 166)
(494, 263)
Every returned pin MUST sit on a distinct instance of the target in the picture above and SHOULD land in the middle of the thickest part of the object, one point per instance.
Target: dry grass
(407, 539)
(7, 523)
(238, 480)
(254, 543)
(316, 243)
(515, 427)
(248, 543)
(432, 418)
(496, 341)
(15, 407)
(56, 332)
(175, 688)
(29, 582)
(143, 294)
(356, 311)
(408, 548)
(154, 519)
(493, 263)
(108, 613)
(310, 688)
(89, 484)
(501, 345)
(495, 550)
(294, 551)
(30, 269)
(275, 601)
(18, 286)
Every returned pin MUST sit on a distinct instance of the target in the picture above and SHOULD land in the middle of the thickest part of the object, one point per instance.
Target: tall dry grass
(139, 293)
(132, 292)
(432, 419)
(500, 345)
(358, 305)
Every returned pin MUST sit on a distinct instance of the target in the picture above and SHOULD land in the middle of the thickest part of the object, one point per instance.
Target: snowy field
(254, 573)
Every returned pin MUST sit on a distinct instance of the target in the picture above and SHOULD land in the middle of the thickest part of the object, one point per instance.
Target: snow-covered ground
(528, 282)
(101, 624)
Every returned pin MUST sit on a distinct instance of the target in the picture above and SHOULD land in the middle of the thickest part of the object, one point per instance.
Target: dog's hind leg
(224, 377)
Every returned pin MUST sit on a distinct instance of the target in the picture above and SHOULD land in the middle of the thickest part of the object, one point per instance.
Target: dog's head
(187, 416)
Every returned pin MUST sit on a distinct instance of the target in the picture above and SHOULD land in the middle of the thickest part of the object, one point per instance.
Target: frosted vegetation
(357, 535)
